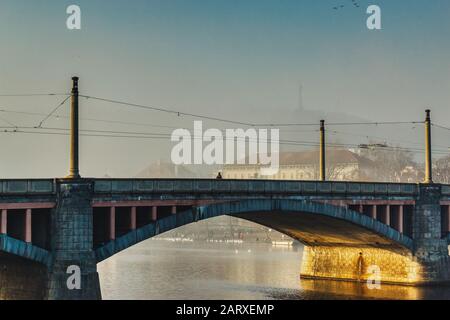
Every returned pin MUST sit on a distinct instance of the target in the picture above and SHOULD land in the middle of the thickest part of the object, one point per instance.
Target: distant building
(161, 169)
(341, 165)
(411, 174)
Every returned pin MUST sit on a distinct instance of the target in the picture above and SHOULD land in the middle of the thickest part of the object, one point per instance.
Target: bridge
(49, 226)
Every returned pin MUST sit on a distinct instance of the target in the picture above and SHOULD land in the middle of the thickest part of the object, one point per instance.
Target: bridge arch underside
(23, 270)
(21, 278)
(336, 249)
(341, 244)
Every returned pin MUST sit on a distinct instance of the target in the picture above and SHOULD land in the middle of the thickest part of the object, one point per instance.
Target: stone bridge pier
(430, 246)
(426, 262)
(72, 243)
(31, 273)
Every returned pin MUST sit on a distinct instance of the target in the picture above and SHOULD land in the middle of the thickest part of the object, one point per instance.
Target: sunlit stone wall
(348, 263)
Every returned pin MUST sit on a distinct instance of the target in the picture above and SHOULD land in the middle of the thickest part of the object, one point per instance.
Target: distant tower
(300, 98)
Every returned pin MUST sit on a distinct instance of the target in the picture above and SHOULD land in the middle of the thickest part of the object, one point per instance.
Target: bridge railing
(27, 186)
(446, 190)
(111, 186)
(107, 186)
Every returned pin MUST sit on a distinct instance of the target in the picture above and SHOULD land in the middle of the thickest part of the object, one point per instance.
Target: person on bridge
(219, 176)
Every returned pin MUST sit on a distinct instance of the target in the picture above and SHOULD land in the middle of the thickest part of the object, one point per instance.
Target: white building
(341, 165)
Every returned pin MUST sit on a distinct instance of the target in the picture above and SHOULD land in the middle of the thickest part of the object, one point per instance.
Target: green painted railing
(38, 186)
(103, 186)
(108, 186)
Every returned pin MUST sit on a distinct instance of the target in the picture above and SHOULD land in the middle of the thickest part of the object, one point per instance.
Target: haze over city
(240, 60)
(224, 149)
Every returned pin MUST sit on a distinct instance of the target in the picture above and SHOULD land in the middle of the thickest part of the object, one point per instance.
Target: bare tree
(442, 170)
(341, 172)
(391, 164)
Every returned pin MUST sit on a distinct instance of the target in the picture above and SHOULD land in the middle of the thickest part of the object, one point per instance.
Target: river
(158, 269)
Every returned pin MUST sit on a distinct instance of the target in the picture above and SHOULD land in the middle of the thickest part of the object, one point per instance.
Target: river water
(159, 269)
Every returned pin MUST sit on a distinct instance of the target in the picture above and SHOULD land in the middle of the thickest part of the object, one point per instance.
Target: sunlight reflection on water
(157, 270)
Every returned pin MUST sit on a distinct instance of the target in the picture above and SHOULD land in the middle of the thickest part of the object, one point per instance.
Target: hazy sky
(215, 57)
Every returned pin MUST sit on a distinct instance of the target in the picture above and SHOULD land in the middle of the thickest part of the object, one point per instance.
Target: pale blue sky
(215, 57)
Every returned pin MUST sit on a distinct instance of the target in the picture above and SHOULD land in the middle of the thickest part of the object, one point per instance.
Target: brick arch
(256, 210)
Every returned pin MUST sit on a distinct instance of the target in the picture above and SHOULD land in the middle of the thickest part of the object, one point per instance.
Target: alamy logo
(227, 149)
(374, 20)
(74, 20)
(74, 280)
(374, 279)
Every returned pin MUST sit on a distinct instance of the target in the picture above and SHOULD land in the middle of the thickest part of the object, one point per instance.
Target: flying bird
(355, 3)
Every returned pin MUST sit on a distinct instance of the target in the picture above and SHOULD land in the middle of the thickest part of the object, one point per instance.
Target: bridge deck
(48, 186)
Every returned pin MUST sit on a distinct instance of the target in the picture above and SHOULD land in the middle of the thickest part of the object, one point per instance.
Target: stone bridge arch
(312, 223)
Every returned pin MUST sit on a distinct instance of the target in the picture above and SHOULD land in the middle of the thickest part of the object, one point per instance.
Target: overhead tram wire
(137, 123)
(88, 119)
(440, 126)
(125, 136)
(128, 134)
(123, 122)
(156, 136)
(340, 124)
(168, 135)
(35, 95)
(141, 124)
(225, 120)
(53, 111)
(248, 124)
(8, 122)
(206, 117)
(160, 109)
(385, 139)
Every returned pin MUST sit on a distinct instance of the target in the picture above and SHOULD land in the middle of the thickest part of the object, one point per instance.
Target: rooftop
(333, 157)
